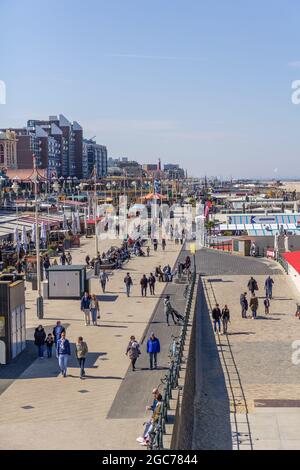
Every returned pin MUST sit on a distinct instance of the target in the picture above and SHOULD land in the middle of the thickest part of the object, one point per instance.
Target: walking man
(216, 315)
(85, 307)
(152, 282)
(57, 331)
(81, 353)
(225, 319)
(269, 287)
(128, 283)
(244, 304)
(254, 305)
(63, 258)
(144, 285)
(252, 285)
(163, 244)
(168, 309)
(153, 348)
(63, 351)
(103, 278)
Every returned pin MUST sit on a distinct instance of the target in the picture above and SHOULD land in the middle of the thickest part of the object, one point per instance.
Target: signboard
(267, 219)
(192, 248)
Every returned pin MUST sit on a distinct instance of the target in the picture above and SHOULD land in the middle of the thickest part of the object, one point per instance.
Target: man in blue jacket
(153, 348)
(63, 351)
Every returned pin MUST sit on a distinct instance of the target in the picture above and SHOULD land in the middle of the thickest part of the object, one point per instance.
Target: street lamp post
(95, 210)
(39, 300)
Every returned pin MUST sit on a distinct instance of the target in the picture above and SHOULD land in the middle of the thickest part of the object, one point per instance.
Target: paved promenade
(39, 409)
(251, 393)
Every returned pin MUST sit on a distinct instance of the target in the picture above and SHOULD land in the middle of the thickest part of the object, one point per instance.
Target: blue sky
(206, 84)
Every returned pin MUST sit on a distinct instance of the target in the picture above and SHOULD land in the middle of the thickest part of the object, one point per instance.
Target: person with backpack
(225, 319)
(144, 285)
(254, 305)
(216, 316)
(81, 353)
(133, 349)
(153, 348)
(39, 340)
(128, 283)
(244, 304)
(49, 344)
(63, 351)
(252, 285)
(152, 282)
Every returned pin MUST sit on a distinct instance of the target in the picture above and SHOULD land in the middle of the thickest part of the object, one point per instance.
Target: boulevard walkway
(39, 409)
(250, 394)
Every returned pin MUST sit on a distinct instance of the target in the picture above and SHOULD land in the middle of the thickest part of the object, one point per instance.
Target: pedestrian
(163, 244)
(81, 353)
(63, 351)
(267, 304)
(252, 285)
(168, 310)
(55, 263)
(152, 407)
(254, 305)
(85, 307)
(144, 285)
(155, 244)
(103, 278)
(153, 422)
(148, 250)
(63, 258)
(269, 287)
(49, 344)
(57, 331)
(87, 260)
(39, 340)
(153, 348)
(133, 349)
(216, 315)
(69, 258)
(225, 319)
(244, 304)
(94, 308)
(128, 283)
(152, 282)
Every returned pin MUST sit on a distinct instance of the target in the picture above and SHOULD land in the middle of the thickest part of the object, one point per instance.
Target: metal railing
(170, 381)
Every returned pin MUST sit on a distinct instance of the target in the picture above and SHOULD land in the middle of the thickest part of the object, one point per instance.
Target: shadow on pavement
(212, 428)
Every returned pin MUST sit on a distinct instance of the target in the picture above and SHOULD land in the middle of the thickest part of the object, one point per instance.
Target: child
(49, 343)
(267, 305)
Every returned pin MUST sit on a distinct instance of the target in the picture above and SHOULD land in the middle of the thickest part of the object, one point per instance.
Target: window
(1, 154)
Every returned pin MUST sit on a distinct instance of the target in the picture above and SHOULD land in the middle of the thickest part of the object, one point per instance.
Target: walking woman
(39, 340)
(133, 349)
(81, 353)
(95, 311)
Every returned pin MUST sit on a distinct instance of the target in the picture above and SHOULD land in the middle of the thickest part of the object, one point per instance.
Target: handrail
(170, 381)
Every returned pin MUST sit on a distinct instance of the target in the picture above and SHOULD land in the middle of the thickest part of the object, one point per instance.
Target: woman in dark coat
(39, 340)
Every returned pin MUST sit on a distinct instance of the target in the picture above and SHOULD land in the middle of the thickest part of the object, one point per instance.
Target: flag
(43, 234)
(65, 224)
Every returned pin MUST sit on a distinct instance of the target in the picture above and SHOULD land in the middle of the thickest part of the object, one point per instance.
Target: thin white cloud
(154, 57)
(294, 64)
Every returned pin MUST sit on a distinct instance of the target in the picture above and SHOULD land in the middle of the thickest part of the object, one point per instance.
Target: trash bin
(34, 282)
